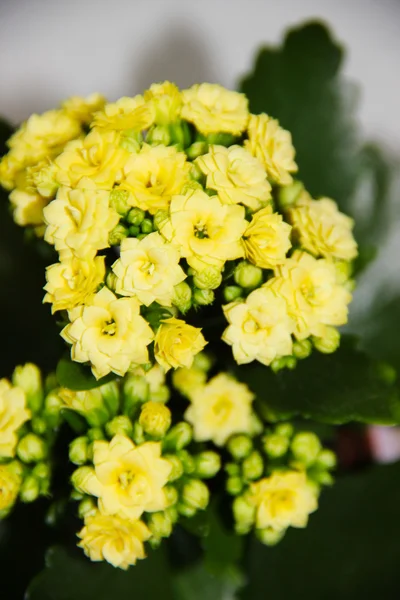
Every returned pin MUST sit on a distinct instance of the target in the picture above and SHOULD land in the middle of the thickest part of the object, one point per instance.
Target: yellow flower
(148, 269)
(207, 232)
(81, 401)
(109, 333)
(79, 220)
(11, 166)
(212, 108)
(273, 146)
(28, 207)
(13, 414)
(82, 109)
(187, 380)
(220, 409)
(177, 343)
(167, 101)
(284, 499)
(42, 177)
(237, 176)
(126, 113)
(98, 156)
(71, 282)
(128, 479)
(116, 540)
(267, 239)
(154, 175)
(10, 483)
(259, 328)
(313, 294)
(322, 229)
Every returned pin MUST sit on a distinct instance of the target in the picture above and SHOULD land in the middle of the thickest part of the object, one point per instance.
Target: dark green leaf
(350, 549)
(198, 583)
(78, 377)
(70, 576)
(222, 548)
(337, 388)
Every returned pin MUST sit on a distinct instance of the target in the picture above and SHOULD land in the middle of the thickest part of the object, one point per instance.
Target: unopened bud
(39, 425)
(203, 361)
(195, 494)
(285, 429)
(119, 201)
(171, 495)
(146, 226)
(120, 425)
(270, 536)
(138, 434)
(87, 507)
(275, 445)
(180, 133)
(31, 448)
(232, 293)
(244, 514)
(208, 279)
(234, 485)
(247, 275)
(253, 466)
(302, 349)
(290, 194)
(41, 471)
(95, 433)
(240, 446)
(329, 342)
(30, 489)
(155, 418)
(194, 151)
(221, 139)
(159, 134)
(135, 216)
(160, 524)
(160, 218)
(207, 464)
(232, 468)
(28, 377)
(117, 234)
(78, 450)
(131, 140)
(110, 394)
(285, 362)
(179, 436)
(326, 459)
(177, 466)
(111, 281)
(182, 297)
(187, 461)
(135, 391)
(203, 297)
(306, 447)
(80, 478)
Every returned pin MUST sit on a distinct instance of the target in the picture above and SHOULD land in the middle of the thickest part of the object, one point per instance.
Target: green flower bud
(207, 464)
(31, 448)
(30, 489)
(253, 466)
(171, 495)
(121, 425)
(320, 476)
(203, 297)
(221, 139)
(131, 140)
(78, 450)
(80, 477)
(187, 461)
(275, 445)
(39, 425)
(302, 349)
(185, 510)
(42, 471)
(306, 447)
(290, 194)
(247, 275)
(135, 217)
(155, 418)
(135, 392)
(326, 459)
(329, 343)
(160, 218)
(51, 383)
(134, 230)
(160, 524)
(234, 485)
(28, 377)
(117, 234)
(244, 514)
(111, 281)
(285, 362)
(95, 433)
(179, 436)
(232, 469)
(87, 507)
(195, 494)
(232, 292)
(177, 466)
(285, 429)
(159, 134)
(138, 434)
(269, 536)
(146, 226)
(203, 361)
(119, 201)
(182, 297)
(209, 279)
(240, 446)
(194, 151)
(180, 134)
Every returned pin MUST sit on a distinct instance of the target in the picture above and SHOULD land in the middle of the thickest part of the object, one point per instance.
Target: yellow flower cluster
(153, 203)
(13, 414)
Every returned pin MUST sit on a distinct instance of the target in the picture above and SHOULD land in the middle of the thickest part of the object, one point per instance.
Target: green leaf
(70, 576)
(349, 550)
(78, 377)
(337, 388)
(222, 548)
(198, 583)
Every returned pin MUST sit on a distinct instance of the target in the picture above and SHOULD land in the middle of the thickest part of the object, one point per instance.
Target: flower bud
(42, 471)
(203, 297)
(119, 201)
(155, 418)
(31, 448)
(180, 134)
(135, 216)
(208, 279)
(10, 482)
(253, 466)
(52, 406)
(285, 362)
(221, 139)
(80, 477)
(30, 489)
(182, 298)
(240, 446)
(329, 342)
(195, 494)
(146, 226)
(50, 383)
(171, 495)
(285, 429)
(95, 433)
(117, 234)
(160, 524)
(39, 425)
(87, 507)
(234, 485)
(121, 425)
(275, 445)
(306, 447)
(111, 281)
(302, 348)
(290, 194)
(232, 292)
(244, 514)
(207, 464)
(78, 450)
(177, 466)
(138, 433)
(194, 151)
(247, 275)
(131, 140)
(160, 218)
(203, 361)
(135, 392)
(161, 395)
(179, 436)
(232, 468)
(110, 395)
(187, 461)
(186, 511)
(159, 134)
(28, 377)
(270, 536)
(326, 459)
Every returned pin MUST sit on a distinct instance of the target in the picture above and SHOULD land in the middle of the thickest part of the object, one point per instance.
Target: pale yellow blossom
(13, 414)
(177, 343)
(267, 239)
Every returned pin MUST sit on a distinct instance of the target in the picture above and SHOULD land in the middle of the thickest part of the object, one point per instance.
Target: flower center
(281, 501)
(200, 230)
(125, 479)
(250, 326)
(148, 267)
(109, 328)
